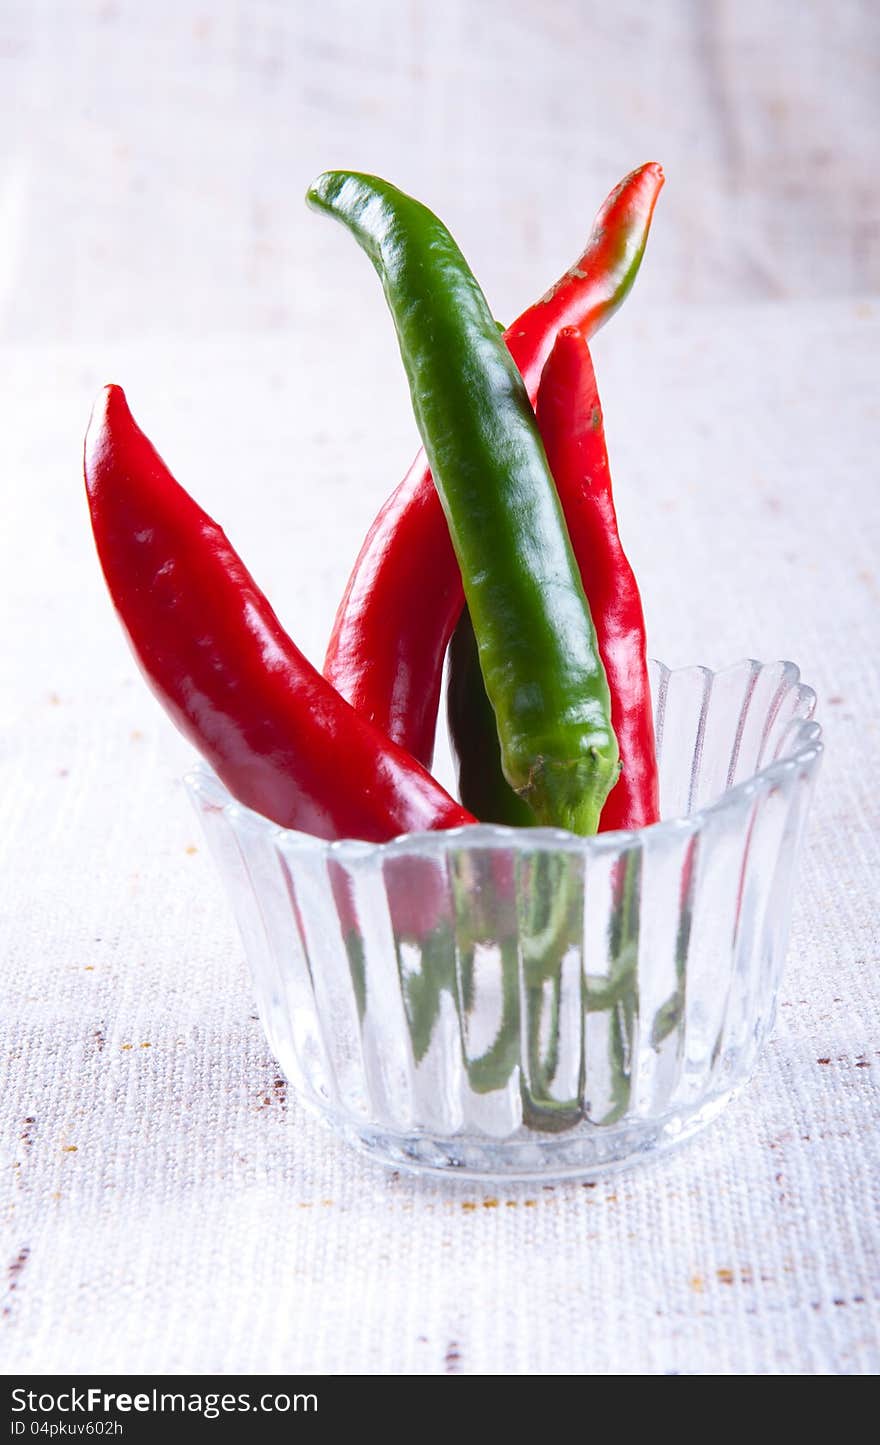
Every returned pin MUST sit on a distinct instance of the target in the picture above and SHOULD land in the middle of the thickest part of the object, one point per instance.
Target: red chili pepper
(570, 421)
(404, 596)
(215, 654)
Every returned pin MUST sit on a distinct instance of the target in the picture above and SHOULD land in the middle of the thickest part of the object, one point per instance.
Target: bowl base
(586, 1154)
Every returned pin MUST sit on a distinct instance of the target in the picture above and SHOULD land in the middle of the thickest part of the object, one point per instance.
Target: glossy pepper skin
(538, 651)
(570, 421)
(216, 656)
(569, 417)
(404, 596)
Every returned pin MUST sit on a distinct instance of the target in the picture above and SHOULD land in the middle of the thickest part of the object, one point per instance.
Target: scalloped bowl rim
(804, 748)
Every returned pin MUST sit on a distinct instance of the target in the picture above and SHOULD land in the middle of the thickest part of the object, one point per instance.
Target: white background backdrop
(159, 1213)
(155, 156)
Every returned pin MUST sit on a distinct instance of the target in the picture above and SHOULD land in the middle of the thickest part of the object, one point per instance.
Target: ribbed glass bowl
(514, 1003)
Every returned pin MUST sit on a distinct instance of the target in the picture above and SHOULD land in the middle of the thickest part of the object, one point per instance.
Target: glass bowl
(500, 1002)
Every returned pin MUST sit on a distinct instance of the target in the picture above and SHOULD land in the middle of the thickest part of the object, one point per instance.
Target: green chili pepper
(538, 651)
(474, 734)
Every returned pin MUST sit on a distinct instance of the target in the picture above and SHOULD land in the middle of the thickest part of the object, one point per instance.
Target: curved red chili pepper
(570, 421)
(404, 595)
(281, 738)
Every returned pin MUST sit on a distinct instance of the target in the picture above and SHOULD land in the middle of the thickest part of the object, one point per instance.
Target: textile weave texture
(167, 1204)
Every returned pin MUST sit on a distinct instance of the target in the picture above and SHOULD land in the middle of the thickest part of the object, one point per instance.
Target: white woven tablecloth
(167, 1205)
